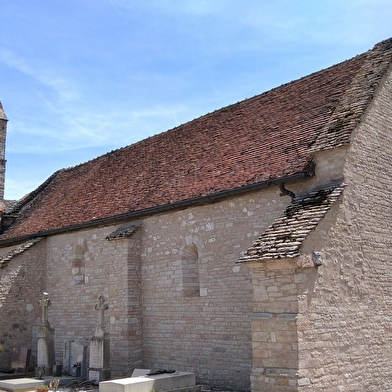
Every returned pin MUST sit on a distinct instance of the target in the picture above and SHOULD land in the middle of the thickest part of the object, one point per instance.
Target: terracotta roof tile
(260, 139)
(349, 110)
(285, 236)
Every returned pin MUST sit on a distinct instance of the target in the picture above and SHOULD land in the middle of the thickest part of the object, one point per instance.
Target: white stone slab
(20, 384)
(159, 382)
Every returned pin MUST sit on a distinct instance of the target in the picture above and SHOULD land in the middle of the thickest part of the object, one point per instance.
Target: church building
(251, 246)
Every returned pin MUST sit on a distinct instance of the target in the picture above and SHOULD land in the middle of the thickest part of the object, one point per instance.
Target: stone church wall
(208, 331)
(83, 265)
(177, 299)
(345, 337)
(21, 284)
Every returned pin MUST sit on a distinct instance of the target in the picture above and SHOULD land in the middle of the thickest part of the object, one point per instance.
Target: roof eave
(162, 208)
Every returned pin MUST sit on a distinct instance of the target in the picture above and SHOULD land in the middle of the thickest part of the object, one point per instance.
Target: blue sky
(81, 78)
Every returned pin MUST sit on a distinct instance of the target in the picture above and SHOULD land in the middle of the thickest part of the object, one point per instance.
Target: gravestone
(99, 369)
(75, 359)
(45, 341)
(20, 359)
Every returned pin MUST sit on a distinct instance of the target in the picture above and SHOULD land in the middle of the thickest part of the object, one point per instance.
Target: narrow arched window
(78, 264)
(190, 271)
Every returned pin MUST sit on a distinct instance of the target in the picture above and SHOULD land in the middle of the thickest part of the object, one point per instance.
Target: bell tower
(3, 134)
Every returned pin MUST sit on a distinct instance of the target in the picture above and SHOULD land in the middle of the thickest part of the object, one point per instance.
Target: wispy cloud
(16, 189)
(40, 73)
(83, 78)
(82, 129)
(189, 7)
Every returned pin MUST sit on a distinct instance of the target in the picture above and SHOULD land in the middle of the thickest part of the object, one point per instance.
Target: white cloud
(107, 74)
(189, 7)
(15, 189)
(82, 129)
(40, 73)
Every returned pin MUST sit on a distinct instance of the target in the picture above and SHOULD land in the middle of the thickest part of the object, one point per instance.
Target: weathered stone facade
(326, 328)
(346, 321)
(3, 135)
(152, 323)
(21, 285)
(305, 308)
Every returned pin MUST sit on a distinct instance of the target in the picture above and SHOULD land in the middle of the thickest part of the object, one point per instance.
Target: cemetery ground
(66, 383)
(77, 373)
(70, 384)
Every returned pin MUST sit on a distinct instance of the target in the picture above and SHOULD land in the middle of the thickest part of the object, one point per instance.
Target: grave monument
(99, 369)
(45, 341)
(144, 380)
(20, 361)
(75, 359)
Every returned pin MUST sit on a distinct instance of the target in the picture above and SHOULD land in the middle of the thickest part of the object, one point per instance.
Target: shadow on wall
(21, 284)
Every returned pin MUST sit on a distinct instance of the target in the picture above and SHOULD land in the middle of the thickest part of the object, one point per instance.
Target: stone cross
(101, 306)
(44, 302)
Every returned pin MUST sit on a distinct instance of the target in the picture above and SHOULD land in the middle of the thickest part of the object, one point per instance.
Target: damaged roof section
(4, 260)
(284, 238)
(123, 231)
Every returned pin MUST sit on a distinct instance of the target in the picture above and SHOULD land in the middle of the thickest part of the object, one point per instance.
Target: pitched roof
(261, 139)
(353, 103)
(287, 233)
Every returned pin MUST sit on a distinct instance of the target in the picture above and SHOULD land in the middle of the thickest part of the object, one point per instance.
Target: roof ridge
(348, 112)
(234, 149)
(227, 107)
(25, 200)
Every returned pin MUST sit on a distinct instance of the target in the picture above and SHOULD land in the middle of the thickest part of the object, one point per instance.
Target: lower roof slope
(284, 238)
(264, 138)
